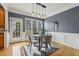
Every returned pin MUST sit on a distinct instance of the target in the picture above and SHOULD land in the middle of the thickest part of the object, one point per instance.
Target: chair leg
(50, 45)
(41, 44)
(30, 47)
(46, 46)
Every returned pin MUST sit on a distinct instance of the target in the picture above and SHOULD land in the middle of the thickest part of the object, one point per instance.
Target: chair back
(48, 39)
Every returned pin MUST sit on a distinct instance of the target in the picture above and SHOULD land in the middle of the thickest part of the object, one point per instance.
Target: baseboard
(65, 44)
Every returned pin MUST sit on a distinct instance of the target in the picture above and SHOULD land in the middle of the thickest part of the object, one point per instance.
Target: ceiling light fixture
(39, 10)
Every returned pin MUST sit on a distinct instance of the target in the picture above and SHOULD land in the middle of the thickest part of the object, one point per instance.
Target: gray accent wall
(68, 20)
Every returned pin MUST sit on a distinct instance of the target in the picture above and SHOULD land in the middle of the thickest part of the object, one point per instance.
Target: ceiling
(52, 8)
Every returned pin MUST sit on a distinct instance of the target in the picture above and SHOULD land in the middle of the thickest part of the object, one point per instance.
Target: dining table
(39, 38)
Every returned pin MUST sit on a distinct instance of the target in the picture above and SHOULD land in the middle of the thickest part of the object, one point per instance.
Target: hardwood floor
(15, 49)
(65, 51)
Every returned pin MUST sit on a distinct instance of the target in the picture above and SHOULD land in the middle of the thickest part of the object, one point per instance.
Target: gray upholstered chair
(32, 41)
(46, 42)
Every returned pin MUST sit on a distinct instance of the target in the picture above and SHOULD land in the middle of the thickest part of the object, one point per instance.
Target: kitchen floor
(15, 50)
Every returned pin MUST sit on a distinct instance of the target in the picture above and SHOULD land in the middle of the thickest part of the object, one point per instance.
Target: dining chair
(32, 42)
(46, 42)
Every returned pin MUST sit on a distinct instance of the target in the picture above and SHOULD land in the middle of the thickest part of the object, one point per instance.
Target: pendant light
(32, 10)
(44, 15)
(38, 10)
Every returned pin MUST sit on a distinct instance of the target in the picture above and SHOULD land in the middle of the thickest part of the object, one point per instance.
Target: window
(28, 24)
(16, 32)
(56, 25)
(35, 27)
(40, 26)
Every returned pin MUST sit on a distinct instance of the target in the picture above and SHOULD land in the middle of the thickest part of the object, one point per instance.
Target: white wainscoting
(69, 39)
(23, 38)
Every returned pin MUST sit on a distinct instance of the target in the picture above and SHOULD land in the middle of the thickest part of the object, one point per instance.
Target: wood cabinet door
(2, 26)
(2, 18)
(2, 41)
